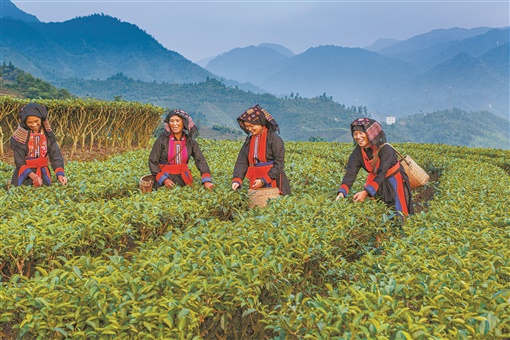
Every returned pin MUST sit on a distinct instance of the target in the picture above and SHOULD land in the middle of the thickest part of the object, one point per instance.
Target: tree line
(28, 86)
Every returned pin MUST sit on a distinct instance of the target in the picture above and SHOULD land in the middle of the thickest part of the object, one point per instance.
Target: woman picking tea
(35, 147)
(170, 154)
(387, 179)
(262, 156)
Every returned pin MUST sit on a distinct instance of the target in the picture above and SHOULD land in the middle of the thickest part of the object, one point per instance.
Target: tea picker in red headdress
(387, 179)
(262, 156)
(35, 147)
(171, 152)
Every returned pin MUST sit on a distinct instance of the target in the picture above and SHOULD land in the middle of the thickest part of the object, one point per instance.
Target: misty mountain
(441, 69)
(350, 75)
(449, 85)
(470, 73)
(278, 48)
(382, 43)
(426, 56)
(213, 103)
(92, 47)
(243, 63)
(430, 39)
(10, 10)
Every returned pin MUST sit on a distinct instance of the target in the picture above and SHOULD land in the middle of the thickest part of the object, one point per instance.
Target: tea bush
(97, 259)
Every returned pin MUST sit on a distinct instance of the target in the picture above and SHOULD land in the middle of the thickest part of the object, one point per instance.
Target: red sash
(261, 150)
(256, 172)
(371, 176)
(38, 164)
(178, 169)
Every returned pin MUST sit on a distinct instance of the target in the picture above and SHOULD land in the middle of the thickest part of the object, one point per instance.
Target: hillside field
(97, 259)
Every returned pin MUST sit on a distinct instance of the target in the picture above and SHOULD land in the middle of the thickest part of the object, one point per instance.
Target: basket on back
(146, 183)
(417, 176)
(260, 197)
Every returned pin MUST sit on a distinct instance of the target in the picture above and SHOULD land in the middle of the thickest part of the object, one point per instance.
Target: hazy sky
(201, 29)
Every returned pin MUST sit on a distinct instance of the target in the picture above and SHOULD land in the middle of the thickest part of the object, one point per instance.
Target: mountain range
(466, 68)
(439, 70)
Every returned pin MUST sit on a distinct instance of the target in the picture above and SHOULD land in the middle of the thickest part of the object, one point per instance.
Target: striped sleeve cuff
(371, 188)
(206, 178)
(237, 180)
(161, 177)
(344, 189)
(59, 172)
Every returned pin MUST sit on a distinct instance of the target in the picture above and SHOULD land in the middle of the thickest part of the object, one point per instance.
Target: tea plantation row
(97, 259)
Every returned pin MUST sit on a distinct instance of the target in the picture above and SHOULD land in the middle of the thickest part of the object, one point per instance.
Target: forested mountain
(93, 47)
(213, 104)
(448, 85)
(17, 83)
(455, 127)
(350, 75)
(439, 70)
(215, 108)
(9, 10)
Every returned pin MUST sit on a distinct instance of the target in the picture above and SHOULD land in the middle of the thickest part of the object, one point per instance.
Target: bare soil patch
(425, 194)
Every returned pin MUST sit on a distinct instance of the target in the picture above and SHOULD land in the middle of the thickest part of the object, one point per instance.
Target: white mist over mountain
(204, 29)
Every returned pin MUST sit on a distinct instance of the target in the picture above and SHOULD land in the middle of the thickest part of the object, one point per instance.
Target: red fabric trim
(371, 176)
(159, 175)
(177, 169)
(37, 163)
(401, 194)
(173, 156)
(261, 152)
(367, 162)
(345, 187)
(370, 182)
(256, 172)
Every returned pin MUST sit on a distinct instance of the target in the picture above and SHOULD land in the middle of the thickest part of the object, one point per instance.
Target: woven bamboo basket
(259, 197)
(146, 183)
(417, 176)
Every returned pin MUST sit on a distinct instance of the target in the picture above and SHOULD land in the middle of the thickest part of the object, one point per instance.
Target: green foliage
(97, 259)
(220, 105)
(226, 129)
(455, 127)
(29, 86)
(316, 139)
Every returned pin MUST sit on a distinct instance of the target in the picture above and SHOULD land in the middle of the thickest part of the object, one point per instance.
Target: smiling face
(361, 138)
(254, 129)
(176, 125)
(34, 123)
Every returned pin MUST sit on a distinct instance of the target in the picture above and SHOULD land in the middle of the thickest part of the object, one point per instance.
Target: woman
(386, 179)
(168, 160)
(34, 146)
(262, 156)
